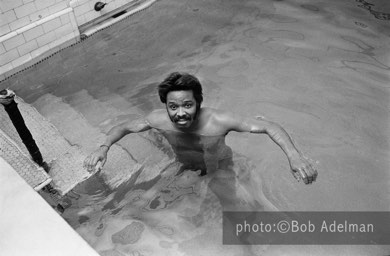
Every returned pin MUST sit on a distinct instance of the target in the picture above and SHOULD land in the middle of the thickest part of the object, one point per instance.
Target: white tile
(80, 20)
(62, 40)
(21, 60)
(25, 10)
(120, 3)
(2, 49)
(73, 20)
(51, 25)
(27, 47)
(79, 2)
(8, 17)
(42, 4)
(64, 30)
(7, 5)
(19, 23)
(58, 7)
(39, 14)
(65, 19)
(33, 33)
(9, 56)
(40, 51)
(5, 68)
(82, 9)
(73, 38)
(5, 30)
(46, 38)
(92, 15)
(14, 42)
(28, 1)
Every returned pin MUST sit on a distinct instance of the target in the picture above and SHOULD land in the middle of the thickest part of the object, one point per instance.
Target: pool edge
(42, 231)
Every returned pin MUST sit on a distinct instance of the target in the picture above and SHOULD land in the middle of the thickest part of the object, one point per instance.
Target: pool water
(319, 68)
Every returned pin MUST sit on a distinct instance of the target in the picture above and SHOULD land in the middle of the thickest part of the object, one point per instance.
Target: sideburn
(197, 111)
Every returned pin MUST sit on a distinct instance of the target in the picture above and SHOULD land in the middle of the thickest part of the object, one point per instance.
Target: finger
(98, 166)
(315, 175)
(85, 163)
(303, 175)
(297, 176)
(91, 163)
(309, 175)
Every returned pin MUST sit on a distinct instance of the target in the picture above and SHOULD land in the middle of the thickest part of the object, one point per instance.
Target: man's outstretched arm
(114, 135)
(300, 166)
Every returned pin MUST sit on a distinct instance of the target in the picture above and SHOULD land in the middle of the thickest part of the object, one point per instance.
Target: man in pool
(187, 121)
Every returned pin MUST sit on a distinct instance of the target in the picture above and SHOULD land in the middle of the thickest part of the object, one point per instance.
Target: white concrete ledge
(29, 226)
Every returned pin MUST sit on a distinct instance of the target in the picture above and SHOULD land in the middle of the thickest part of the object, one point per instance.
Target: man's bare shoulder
(231, 121)
(219, 121)
(219, 115)
(157, 118)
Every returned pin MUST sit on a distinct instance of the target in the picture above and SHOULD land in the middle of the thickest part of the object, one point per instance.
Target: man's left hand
(302, 169)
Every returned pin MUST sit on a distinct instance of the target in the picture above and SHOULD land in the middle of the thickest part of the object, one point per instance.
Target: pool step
(113, 109)
(79, 133)
(14, 152)
(125, 159)
(102, 113)
(56, 151)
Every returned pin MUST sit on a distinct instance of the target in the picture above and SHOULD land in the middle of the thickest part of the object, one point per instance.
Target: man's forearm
(114, 135)
(118, 132)
(282, 139)
(300, 166)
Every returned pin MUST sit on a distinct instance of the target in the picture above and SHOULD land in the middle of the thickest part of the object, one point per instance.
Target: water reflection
(187, 198)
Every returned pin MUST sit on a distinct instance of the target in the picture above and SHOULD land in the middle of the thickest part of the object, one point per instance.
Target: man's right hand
(98, 155)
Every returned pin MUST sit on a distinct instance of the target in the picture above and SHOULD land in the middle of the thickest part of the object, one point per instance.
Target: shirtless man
(184, 122)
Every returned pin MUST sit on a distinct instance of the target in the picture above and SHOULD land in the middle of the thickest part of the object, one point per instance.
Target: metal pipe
(7, 99)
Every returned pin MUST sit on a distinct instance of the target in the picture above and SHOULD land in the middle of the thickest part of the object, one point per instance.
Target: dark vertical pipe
(11, 107)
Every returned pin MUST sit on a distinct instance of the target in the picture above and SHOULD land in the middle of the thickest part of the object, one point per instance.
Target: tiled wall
(19, 13)
(30, 29)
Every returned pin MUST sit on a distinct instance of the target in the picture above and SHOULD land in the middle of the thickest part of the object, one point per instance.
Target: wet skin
(196, 152)
(183, 115)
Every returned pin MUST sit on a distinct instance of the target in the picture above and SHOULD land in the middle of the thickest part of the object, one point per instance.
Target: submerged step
(133, 153)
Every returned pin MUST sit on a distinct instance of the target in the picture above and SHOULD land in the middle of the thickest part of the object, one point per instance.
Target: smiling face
(182, 108)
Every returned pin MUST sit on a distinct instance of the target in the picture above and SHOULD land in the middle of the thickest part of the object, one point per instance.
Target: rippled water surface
(319, 68)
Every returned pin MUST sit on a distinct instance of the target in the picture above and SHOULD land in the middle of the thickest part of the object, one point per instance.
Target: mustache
(182, 118)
